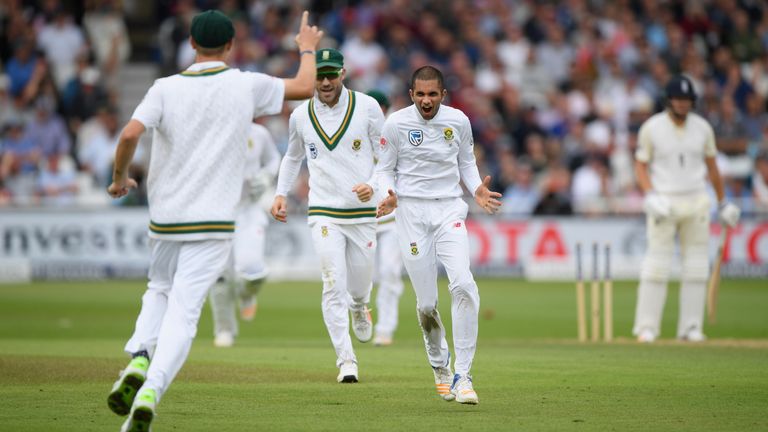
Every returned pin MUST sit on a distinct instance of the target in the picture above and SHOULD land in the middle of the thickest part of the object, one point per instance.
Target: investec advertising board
(114, 244)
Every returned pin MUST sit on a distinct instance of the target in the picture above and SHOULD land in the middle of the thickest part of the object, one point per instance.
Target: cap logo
(326, 55)
(684, 86)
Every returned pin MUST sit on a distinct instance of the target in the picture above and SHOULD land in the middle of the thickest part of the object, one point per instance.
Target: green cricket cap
(380, 97)
(329, 57)
(212, 29)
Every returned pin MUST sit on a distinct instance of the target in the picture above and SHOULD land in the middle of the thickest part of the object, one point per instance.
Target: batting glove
(656, 205)
(729, 214)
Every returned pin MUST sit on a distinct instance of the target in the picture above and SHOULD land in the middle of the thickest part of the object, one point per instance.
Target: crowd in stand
(555, 90)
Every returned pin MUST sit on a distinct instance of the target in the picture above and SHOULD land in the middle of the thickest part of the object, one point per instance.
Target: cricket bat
(713, 286)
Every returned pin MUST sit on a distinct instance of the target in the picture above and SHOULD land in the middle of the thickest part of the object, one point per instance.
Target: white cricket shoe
(347, 372)
(382, 339)
(693, 335)
(224, 339)
(142, 412)
(362, 324)
(443, 380)
(463, 391)
(646, 336)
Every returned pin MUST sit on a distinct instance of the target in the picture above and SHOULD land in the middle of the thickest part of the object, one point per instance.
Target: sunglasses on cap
(331, 75)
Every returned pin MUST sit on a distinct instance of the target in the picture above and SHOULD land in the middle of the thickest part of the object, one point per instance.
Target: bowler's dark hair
(428, 73)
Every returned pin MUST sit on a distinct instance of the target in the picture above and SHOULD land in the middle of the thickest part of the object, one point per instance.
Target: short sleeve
(268, 94)
(150, 109)
(710, 146)
(644, 150)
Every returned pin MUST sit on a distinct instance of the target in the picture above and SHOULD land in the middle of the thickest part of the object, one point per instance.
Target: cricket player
(675, 156)
(389, 264)
(246, 270)
(426, 151)
(337, 131)
(201, 118)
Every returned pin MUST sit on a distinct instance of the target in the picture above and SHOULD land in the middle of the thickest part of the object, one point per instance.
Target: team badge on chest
(357, 144)
(312, 150)
(414, 249)
(448, 134)
(415, 136)
(324, 231)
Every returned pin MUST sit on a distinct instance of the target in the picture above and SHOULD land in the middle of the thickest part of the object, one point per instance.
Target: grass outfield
(61, 349)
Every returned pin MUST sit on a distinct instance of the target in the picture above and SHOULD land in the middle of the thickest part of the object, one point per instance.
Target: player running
(427, 151)
(337, 131)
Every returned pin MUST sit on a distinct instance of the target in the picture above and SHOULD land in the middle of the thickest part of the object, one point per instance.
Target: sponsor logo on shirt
(356, 144)
(383, 141)
(415, 136)
(448, 134)
(313, 150)
(457, 225)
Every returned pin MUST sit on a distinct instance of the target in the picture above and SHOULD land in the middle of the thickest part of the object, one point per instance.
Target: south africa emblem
(356, 144)
(448, 134)
(414, 249)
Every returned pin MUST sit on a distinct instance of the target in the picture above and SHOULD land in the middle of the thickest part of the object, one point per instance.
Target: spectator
(362, 55)
(96, 144)
(522, 196)
(57, 182)
(108, 36)
(48, 131)
(62, 42)
(20, 161)
(555, 200)
(21, 67)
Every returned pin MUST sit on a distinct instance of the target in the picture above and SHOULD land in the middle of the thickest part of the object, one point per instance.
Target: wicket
(580, 307)
(607, 283)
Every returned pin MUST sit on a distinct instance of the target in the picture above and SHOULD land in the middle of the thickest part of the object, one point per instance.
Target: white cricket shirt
(201, 119)
(428, 157)
(676, 155)
(340, 144)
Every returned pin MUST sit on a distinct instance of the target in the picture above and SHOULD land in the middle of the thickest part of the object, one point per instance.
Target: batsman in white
(426, 151)
(246, 270)
(201, 119)
(675, 156)
(388, 273)
(337, 131)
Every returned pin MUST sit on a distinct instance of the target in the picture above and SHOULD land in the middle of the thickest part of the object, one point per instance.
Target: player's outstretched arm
(126, 147)
(487, 199)
(387, 205)
(303, 86)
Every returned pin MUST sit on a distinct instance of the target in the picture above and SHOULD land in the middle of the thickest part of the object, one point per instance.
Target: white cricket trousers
(389, 276)
(347, 252)
(246, 263)
(689, 220)
(432, 230)
(180, 276)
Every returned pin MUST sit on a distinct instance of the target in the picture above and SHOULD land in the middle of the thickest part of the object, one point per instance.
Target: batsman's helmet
(680, 87)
